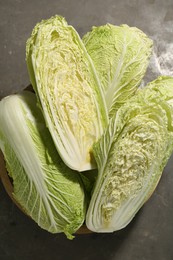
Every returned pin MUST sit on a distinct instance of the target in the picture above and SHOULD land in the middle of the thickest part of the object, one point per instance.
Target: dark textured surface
(149, 236)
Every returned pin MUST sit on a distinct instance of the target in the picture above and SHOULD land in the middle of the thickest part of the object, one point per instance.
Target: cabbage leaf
(51, 193)
(64, 78)
(120, 55)
(131, 156)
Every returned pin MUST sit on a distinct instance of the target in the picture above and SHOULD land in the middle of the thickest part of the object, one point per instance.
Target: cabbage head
(131, 156)
(120, 55)
(48, 191)
(64, 78)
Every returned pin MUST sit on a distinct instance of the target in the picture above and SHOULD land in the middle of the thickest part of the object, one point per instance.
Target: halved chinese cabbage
(51, 193)
(64, 78)
(131, 156)
(120, 55)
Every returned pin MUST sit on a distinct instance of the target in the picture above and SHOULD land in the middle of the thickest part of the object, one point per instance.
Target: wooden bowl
(7, 183)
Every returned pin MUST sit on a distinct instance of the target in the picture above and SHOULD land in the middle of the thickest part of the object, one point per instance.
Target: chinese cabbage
(131, 156)
(51, 193)
(120, 55)
(64, 78)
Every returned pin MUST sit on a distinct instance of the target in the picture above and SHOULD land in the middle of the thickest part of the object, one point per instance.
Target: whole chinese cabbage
(49, 192)
(64, 78)
(120, 55)
(131, 156)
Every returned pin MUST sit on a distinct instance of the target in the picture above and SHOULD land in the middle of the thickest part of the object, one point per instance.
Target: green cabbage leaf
(68, 89)
(131, 156)
(120, 55)
(51, 193)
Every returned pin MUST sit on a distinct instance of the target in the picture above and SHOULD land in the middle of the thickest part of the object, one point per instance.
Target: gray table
(150, 235)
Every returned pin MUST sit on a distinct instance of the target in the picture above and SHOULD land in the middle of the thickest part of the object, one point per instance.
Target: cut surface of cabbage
(131, 156)
(63, 76)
